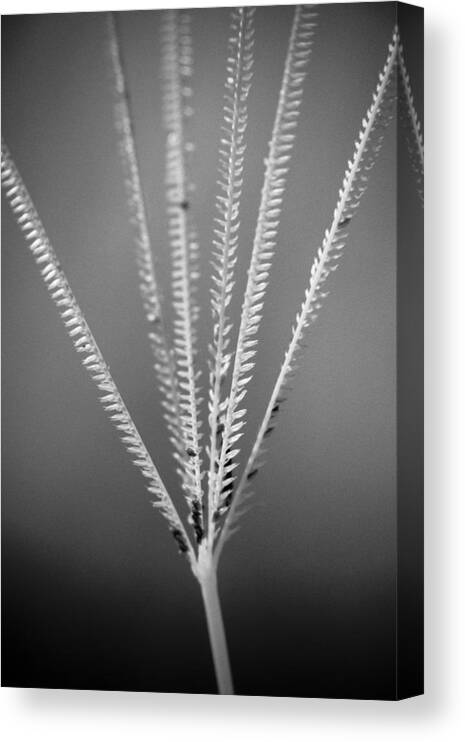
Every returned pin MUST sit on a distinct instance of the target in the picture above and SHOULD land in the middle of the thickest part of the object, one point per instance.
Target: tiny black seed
(179, 538)
(199, 536)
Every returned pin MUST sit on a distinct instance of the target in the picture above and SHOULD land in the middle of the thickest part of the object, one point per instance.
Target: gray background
(95, 594)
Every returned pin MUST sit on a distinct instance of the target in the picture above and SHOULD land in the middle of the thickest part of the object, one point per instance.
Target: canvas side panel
(409, 665)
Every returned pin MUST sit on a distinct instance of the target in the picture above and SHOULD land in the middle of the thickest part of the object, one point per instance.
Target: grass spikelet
(415, 138)
(177, 72)
(148, 285)
(274, 184)
(231, 165)
(355, 183)
(77, 328)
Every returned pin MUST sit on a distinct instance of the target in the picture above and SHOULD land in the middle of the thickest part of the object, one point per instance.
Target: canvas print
(212, 268)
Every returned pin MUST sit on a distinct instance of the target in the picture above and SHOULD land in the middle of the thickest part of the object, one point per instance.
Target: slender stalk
(176, 69)
(367, 147)
(264, 244)
(231, 166)
(84, 342)
(148, 283)
(207, 577)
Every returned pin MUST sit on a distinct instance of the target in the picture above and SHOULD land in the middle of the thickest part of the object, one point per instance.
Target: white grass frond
(84, 343)
(226, 235)
(274, 184)
(148, 286)
(416, 148)
(177, 71)
(367, 147)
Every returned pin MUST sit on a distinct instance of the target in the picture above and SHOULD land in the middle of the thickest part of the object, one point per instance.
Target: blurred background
(95, 594)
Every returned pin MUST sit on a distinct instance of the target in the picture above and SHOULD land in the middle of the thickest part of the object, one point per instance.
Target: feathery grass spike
(416, 147)
(231, 165)
(177, 71)
(149, 290)
(84, 342)
(354, 185)
(276, 168)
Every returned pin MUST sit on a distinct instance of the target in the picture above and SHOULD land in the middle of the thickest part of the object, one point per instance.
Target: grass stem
(216, 633)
